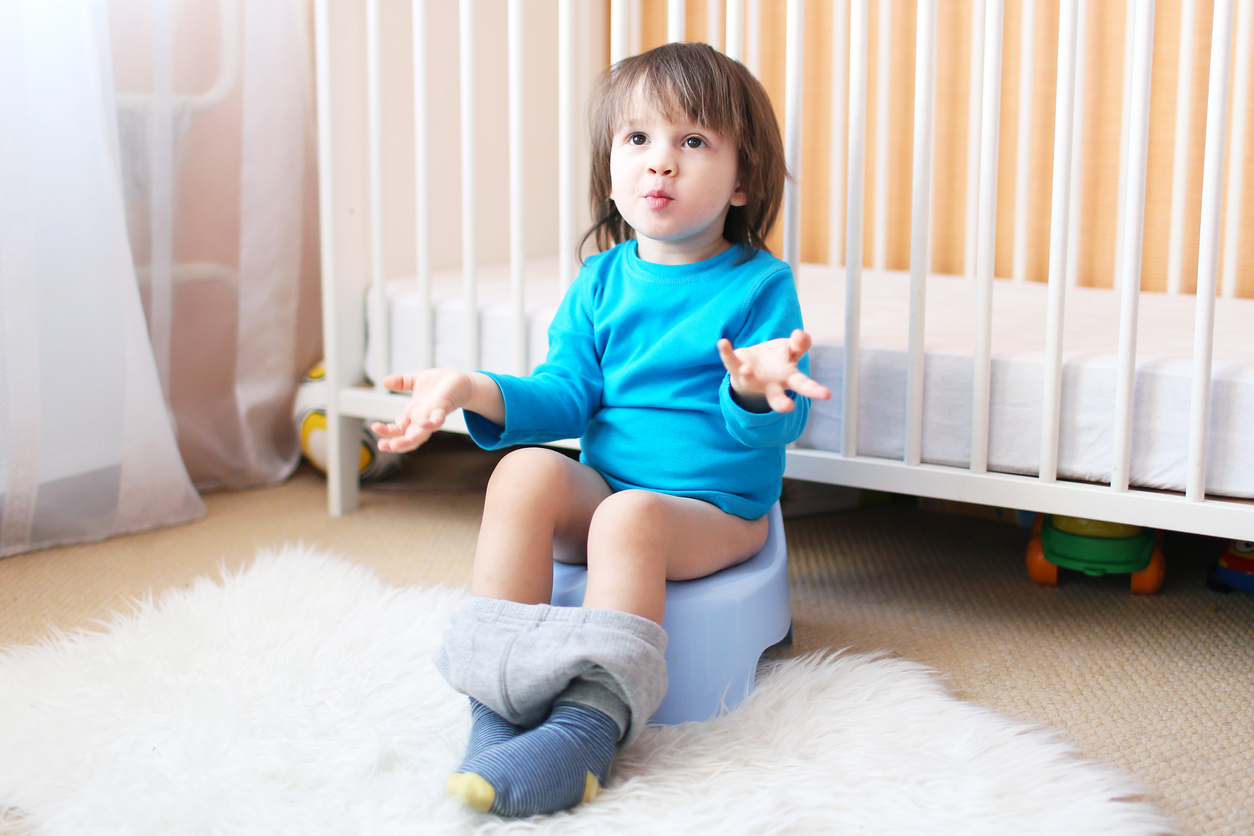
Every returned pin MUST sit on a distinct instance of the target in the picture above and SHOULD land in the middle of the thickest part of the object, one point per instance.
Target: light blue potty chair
(717, 627)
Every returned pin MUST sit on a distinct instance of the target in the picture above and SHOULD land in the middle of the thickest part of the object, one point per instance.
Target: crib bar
(1128, 53)
(1208, 246)
(853, 220)
(565, 143)
(1131, 238)
(792, 132)
(839, 121)
(1180, 151)
(1064, 112)
(376, 298)
(990, 121)
(753, 36)
(635, 22)
(341, 479)
(1077, 145)
(422, 188)
(1023, 141)
(1236, 166)
(735, 44)
(920, 219)
(714, 24)
(517, 190)
(620, 30)
(883, 80)
(976, 84)
(675, 12)
(466, 32)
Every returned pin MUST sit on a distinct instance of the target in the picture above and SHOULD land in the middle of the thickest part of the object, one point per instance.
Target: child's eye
(637, 139)
(694, 142)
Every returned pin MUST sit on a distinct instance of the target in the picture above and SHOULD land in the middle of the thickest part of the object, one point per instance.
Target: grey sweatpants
(518, 658)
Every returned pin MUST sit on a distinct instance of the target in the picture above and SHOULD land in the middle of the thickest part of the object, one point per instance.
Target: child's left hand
(761, 373)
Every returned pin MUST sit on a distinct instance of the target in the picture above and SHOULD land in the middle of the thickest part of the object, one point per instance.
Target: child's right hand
(436, 393)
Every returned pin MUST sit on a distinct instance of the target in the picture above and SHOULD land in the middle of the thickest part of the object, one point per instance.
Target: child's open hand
(436, 393)
(761, 373)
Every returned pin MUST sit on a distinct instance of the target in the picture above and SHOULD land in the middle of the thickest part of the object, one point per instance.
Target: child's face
(673, 183)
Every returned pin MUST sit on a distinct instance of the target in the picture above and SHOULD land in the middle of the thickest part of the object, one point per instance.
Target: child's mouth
(657, 200)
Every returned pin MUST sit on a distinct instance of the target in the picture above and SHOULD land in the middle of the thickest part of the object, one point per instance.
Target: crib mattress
(1090, 349)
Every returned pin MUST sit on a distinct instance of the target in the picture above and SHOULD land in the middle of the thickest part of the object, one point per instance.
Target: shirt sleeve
(557, 400)
(773, 312)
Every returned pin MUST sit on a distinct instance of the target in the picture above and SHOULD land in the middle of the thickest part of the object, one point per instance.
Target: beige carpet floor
(1160, 686)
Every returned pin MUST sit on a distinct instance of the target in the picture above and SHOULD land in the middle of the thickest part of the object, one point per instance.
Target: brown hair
(696, 82)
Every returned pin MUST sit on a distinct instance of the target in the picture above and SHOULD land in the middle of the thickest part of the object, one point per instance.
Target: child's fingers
(396, 444)
(778, 399)
(404, 427)
(417, 431)
(798, 343)
(731, 360)
(739, 368)
(385, 430)
(411, 438)
(803, 385)
(402, 445)
(398, 382)
(394, 428)
(434, 420)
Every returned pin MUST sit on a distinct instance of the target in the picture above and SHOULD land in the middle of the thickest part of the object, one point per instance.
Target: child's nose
(662, 165)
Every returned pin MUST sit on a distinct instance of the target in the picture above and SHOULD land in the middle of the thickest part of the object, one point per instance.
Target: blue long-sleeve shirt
(633, 371)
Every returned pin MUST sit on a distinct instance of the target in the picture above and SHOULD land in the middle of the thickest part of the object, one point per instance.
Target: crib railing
(353, 244)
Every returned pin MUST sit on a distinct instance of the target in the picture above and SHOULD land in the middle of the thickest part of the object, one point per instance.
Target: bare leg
(536, 498)
(639, 539)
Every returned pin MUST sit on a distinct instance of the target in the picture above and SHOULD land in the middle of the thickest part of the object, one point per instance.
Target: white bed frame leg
(343, 454)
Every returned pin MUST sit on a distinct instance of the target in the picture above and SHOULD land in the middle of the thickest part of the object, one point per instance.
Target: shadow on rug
(298, 696)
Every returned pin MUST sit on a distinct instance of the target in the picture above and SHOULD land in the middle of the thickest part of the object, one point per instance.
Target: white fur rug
(298, 697)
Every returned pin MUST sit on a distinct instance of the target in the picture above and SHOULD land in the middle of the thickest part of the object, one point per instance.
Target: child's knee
(633, 515)
(529, 471)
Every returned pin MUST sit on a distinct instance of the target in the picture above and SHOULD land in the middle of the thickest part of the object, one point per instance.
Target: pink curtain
(216, 132)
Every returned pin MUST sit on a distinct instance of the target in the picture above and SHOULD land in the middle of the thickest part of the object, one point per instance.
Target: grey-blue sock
(489, 729)
(560, 763)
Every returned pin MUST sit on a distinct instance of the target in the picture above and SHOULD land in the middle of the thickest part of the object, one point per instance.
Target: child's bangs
(680, 93)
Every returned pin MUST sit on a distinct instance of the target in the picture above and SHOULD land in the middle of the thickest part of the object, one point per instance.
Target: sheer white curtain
(86, 445)
(158, 299)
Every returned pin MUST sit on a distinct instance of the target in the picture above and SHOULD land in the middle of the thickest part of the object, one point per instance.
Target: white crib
(996, 391)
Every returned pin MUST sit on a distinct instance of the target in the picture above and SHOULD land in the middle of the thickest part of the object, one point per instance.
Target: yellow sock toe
(591, 787)
(473, 790)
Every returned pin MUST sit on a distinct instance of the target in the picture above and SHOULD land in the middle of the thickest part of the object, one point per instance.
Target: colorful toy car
(1095, 548)
(1234, 569)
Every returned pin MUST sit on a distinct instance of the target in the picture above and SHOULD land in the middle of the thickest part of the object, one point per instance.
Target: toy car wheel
(1150, 579)
(1215, 583)
(1039, 568)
